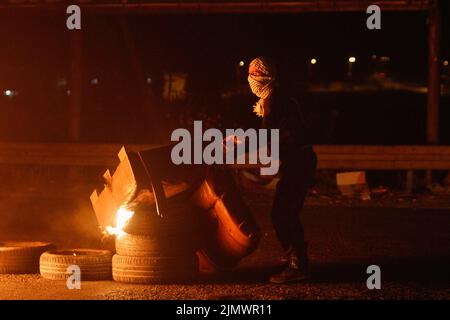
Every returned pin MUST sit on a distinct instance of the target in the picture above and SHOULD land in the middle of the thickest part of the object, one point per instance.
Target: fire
(123, 215)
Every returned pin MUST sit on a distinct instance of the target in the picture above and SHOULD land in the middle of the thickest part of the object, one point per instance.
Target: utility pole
(434, 87)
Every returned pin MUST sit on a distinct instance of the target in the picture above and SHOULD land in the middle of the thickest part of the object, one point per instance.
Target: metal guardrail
(384, 157)
(329, 156)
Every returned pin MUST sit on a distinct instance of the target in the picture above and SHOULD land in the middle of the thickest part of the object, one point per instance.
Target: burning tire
(21, 257)
(154, 269)
(94, 264)
(150, 259)
(136, 245)
(157, 245)
(180, 221)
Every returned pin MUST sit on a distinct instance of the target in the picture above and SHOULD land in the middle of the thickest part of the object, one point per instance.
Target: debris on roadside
(166, 248)
(439, 189)
(379, 191)
(353, 184)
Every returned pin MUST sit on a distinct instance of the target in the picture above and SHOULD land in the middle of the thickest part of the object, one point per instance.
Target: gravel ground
(411, 246)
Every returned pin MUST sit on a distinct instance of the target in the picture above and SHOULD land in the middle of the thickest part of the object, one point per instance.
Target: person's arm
(283, 119)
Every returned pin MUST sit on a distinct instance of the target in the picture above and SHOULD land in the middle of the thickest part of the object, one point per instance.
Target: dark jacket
(286, 115)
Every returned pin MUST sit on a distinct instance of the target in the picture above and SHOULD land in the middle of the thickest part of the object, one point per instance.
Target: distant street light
(445, 63)
(10, 93)
(311, 64)
(239, 75)
(351, 61)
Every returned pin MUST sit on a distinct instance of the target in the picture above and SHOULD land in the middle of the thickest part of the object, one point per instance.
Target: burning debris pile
(169, 221)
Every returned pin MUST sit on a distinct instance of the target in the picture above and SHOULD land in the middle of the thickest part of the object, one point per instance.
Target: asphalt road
(411, 246)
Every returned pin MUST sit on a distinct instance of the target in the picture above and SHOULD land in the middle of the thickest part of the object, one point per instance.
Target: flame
(123, 215)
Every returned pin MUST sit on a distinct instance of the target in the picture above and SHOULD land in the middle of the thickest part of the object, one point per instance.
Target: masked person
(298, 165)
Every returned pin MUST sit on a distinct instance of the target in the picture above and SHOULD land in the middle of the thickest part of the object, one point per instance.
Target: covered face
(261, 77)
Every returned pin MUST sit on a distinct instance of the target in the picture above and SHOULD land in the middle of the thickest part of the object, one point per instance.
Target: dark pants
(296, 177)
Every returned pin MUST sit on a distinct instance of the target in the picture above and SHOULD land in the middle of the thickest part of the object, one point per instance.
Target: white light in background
(352, 59)
(10, 93)
(241, 63)
(313, 61)
(62, 82)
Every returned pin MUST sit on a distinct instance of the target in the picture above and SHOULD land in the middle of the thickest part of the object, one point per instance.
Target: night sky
(34, 56)
(213, 44)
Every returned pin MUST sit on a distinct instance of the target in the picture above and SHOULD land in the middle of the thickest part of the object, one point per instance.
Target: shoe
(285, 259)
(294, 272)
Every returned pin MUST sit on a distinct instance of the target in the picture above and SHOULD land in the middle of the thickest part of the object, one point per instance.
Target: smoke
(50, 212)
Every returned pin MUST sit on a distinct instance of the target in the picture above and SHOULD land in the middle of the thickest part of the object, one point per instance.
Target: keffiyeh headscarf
(261, 78)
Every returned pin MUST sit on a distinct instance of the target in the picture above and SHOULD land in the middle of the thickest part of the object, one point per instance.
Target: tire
(94, 264)
(136, 245)
(21, 257)
(230, 231)
(159, 244)
(154, 269)
(180, 220)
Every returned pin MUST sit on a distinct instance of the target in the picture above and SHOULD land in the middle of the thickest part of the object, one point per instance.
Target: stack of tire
(157, 249)
(207, 229)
